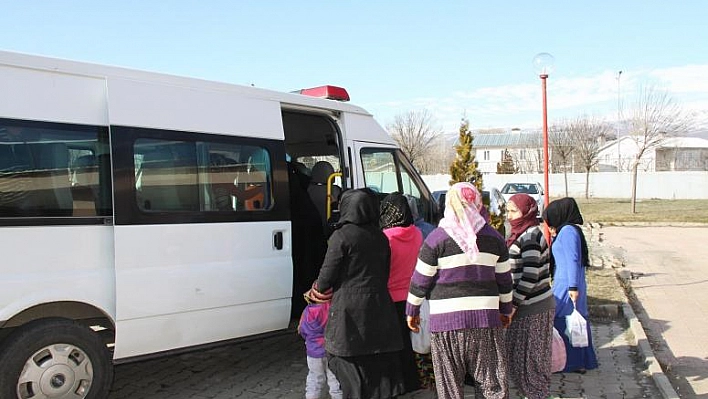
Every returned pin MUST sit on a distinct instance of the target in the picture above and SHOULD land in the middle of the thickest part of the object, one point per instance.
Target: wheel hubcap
(59, 371)
(57, 381)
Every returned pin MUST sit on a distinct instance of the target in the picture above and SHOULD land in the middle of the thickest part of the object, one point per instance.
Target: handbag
(421, 340)
(576, 329)
(558, 355)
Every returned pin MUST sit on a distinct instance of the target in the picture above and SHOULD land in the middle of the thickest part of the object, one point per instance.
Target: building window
(486, 155)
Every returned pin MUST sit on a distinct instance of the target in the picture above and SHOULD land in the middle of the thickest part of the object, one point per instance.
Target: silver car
(535, 190)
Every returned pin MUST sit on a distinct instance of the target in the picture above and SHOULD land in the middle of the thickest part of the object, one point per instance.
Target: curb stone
(647, 224)
(639, 338)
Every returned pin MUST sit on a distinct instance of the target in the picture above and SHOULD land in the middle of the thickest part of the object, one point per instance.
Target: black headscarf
(565, 212)
(395, 211)
(360, 207)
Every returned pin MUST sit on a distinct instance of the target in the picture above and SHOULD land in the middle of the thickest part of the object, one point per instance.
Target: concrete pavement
(666, 267)
(275, 367)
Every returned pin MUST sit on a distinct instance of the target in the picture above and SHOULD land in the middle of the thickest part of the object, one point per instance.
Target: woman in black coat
(361, 338)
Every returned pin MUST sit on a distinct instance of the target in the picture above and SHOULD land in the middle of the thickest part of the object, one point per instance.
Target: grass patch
(604, 210)
(603, 287)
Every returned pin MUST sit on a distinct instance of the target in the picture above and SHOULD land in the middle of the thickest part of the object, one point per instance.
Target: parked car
(535, 190)
(439, 197)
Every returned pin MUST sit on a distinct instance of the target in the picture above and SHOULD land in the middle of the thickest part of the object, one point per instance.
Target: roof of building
(685, 142)
(671, 142)
(508, 140)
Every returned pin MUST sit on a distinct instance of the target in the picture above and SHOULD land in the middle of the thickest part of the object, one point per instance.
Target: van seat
(51, 190)
(169, 180)
(84, 185)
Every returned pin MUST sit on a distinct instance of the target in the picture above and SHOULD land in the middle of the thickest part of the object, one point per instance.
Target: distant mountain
(702, 133)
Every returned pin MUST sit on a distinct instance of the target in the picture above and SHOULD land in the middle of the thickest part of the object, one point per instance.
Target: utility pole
(619, 119)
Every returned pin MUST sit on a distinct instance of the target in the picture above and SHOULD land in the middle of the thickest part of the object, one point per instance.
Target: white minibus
(143, 214)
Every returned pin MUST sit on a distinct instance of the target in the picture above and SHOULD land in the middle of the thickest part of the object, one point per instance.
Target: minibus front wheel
(54, 358)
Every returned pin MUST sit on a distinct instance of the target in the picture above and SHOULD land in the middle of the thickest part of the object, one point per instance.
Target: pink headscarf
(462, 219)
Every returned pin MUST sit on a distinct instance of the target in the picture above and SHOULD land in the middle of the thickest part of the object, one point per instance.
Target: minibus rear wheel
(54, 358)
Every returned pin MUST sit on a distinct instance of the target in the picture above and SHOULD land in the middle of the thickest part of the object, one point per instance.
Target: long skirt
(424, 363)
(577, 359)
(481, 352)
(529, 347)
(375, 376)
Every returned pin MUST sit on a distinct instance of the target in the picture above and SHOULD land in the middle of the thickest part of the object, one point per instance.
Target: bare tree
(653, 118)
(440, 155)
(563, 145)
(586, 133)
(415, 133)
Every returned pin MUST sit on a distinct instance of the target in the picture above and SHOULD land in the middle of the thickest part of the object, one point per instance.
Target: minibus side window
(53, 170)
(197, 176)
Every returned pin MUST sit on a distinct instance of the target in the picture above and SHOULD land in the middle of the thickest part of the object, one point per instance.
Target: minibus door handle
(278, 240)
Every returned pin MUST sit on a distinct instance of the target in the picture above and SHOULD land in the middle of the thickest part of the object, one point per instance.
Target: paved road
(275, 368)
(671, 283)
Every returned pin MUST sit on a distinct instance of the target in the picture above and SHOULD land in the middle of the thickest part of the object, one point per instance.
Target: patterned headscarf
(395, 212)
(463, 220)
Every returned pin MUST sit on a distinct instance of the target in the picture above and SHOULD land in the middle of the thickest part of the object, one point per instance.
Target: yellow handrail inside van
(330, 179)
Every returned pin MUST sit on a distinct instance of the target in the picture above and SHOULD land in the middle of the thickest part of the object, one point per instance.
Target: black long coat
(362, 317)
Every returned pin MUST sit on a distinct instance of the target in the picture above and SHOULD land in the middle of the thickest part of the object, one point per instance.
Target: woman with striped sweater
(463, 270)
(530, 334)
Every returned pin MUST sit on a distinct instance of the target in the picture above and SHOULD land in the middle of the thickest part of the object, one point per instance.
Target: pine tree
(465, 169)
(507, 166)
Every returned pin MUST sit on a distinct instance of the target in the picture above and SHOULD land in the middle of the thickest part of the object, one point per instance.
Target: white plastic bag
(421, 339)
(558, 355)
(576, 328)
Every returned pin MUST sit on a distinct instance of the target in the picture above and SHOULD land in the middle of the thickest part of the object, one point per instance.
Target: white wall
(664, 185)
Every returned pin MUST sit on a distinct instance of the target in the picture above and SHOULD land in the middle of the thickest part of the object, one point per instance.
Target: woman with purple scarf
(463, 271)
(531, 331)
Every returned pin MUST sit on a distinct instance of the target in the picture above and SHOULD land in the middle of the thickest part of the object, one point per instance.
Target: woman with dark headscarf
(361, 338)
(530, 334)
(463, 270)
(570, 255)
(404, 239)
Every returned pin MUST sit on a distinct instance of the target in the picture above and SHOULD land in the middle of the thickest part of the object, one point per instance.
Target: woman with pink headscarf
(463, 270)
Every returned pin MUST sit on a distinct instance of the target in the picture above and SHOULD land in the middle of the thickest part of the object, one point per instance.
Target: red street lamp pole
(544, 77)
(543, 64)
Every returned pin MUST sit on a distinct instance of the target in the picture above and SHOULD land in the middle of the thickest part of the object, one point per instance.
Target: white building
(673, 154)
(524, 148)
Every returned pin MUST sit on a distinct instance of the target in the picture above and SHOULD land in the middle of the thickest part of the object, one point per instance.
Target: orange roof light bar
(329, 92)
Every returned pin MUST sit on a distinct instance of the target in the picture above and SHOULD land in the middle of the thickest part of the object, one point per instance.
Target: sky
(455, 59)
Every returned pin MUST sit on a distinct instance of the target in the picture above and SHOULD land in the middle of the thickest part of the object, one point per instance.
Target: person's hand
(573, 296)
(505, 320)
(413, 323)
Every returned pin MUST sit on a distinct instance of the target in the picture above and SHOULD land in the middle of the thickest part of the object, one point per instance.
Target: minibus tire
(37, 344)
